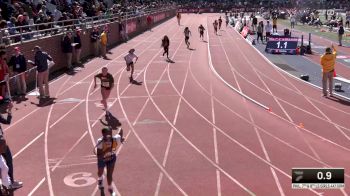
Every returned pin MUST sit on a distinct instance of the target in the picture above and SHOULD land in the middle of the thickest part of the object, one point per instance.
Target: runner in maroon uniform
(107, 84)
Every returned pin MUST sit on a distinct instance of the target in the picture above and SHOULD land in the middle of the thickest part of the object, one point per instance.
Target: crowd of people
(49, 14)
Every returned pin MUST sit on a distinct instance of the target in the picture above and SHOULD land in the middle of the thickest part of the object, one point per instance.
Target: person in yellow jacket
(104, 44)
(328, 63)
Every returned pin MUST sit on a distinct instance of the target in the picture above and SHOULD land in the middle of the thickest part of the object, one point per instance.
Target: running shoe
(100, 184)
(16, 185)
(111, 191)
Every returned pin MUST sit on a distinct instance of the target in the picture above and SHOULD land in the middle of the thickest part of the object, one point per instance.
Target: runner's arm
(136, 58)
(95, 80)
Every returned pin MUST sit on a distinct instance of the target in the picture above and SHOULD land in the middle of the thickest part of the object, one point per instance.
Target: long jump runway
(187, 132)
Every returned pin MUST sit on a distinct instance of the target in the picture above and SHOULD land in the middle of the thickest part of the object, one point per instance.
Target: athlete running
(187, 33)
(129, 59)
(165, 45)
(215, 27)
(107, 83)
(178, 16)
(201, 30)
(106, 147)
(220, 22)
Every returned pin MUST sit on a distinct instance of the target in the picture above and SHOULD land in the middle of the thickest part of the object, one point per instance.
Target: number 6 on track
(79, 179)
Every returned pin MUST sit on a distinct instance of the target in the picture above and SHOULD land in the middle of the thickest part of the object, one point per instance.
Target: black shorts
(106, 88)
(201, 33)
(187, 38)
(274, 26)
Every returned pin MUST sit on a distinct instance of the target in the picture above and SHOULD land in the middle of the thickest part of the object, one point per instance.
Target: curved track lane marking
(262, 145)
(289, 118)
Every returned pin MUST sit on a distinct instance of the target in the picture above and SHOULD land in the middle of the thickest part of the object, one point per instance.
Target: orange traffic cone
(301, 125)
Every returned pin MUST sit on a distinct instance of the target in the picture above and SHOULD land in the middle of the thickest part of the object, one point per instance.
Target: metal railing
(38, 31)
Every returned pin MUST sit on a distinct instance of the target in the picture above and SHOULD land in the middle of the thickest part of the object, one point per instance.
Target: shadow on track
(111, 121)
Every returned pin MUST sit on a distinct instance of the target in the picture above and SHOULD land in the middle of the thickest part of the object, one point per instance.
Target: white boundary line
(26, 146)
(36, 187)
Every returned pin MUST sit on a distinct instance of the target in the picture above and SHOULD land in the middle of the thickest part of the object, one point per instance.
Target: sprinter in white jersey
(129, 59)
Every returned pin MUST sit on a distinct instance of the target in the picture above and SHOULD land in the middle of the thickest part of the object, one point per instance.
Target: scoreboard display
(282, 45)
(318, 178)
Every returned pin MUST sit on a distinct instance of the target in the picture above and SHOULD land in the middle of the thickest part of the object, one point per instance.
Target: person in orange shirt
(104, 44)
(328, 63)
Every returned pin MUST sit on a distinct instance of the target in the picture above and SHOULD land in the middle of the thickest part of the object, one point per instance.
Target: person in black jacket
(95, 36)
(77, 42)
(43, 71)
(68, 48)
(340, 34)
(19, 66)
(7, 152)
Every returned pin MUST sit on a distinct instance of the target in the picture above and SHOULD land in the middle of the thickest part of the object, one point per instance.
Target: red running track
(187, 132)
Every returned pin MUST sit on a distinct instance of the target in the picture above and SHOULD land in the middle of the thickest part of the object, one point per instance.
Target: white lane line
(140, 140)
(24, 117)
(266, 132)
(69, 151)
(63, 116)
(174, 122)
(87, 115)
(26, 146)
(47, 167)
(36, 187)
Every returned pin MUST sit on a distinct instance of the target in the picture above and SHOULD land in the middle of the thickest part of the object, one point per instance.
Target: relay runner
(215, 27)
(165, 45)
(129, 59)
(220, 22)
(107, 83)
(178, 16)
(106, 147)
(187, 33)
(201, 30)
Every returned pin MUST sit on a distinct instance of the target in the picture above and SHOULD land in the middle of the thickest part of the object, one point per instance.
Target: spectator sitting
(19, 66)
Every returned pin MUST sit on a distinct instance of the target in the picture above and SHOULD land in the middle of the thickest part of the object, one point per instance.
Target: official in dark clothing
(68, 48)
(43, 71)
(77, 47)
(95, 36)
(19, 66)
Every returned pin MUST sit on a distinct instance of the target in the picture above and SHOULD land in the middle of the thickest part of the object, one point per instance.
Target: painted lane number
(80, 179)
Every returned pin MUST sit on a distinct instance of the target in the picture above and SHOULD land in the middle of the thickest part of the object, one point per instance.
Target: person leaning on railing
(19, 66)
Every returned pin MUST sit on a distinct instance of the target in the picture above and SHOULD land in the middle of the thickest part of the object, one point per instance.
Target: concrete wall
(52, 44)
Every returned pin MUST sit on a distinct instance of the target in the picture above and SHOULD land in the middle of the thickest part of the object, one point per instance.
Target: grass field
(317, 31)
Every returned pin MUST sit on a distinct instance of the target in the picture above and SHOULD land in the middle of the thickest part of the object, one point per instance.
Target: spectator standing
(340, 34)
(274, 24)
(68, 48)
(6, 152)
(328, 63)
(19, 66)
(259, 33)
(95, 40)
(254, 23)
(268, 29)
(292, 21)
(77, 41)
(104, 44)
(4, 73)
(43, 71)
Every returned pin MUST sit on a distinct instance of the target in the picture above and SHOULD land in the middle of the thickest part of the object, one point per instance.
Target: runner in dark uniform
(107, 83)
(201, 30)
(187, 33)
(106, 155)
(215, 27)
(220, 22)
(165, 45)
